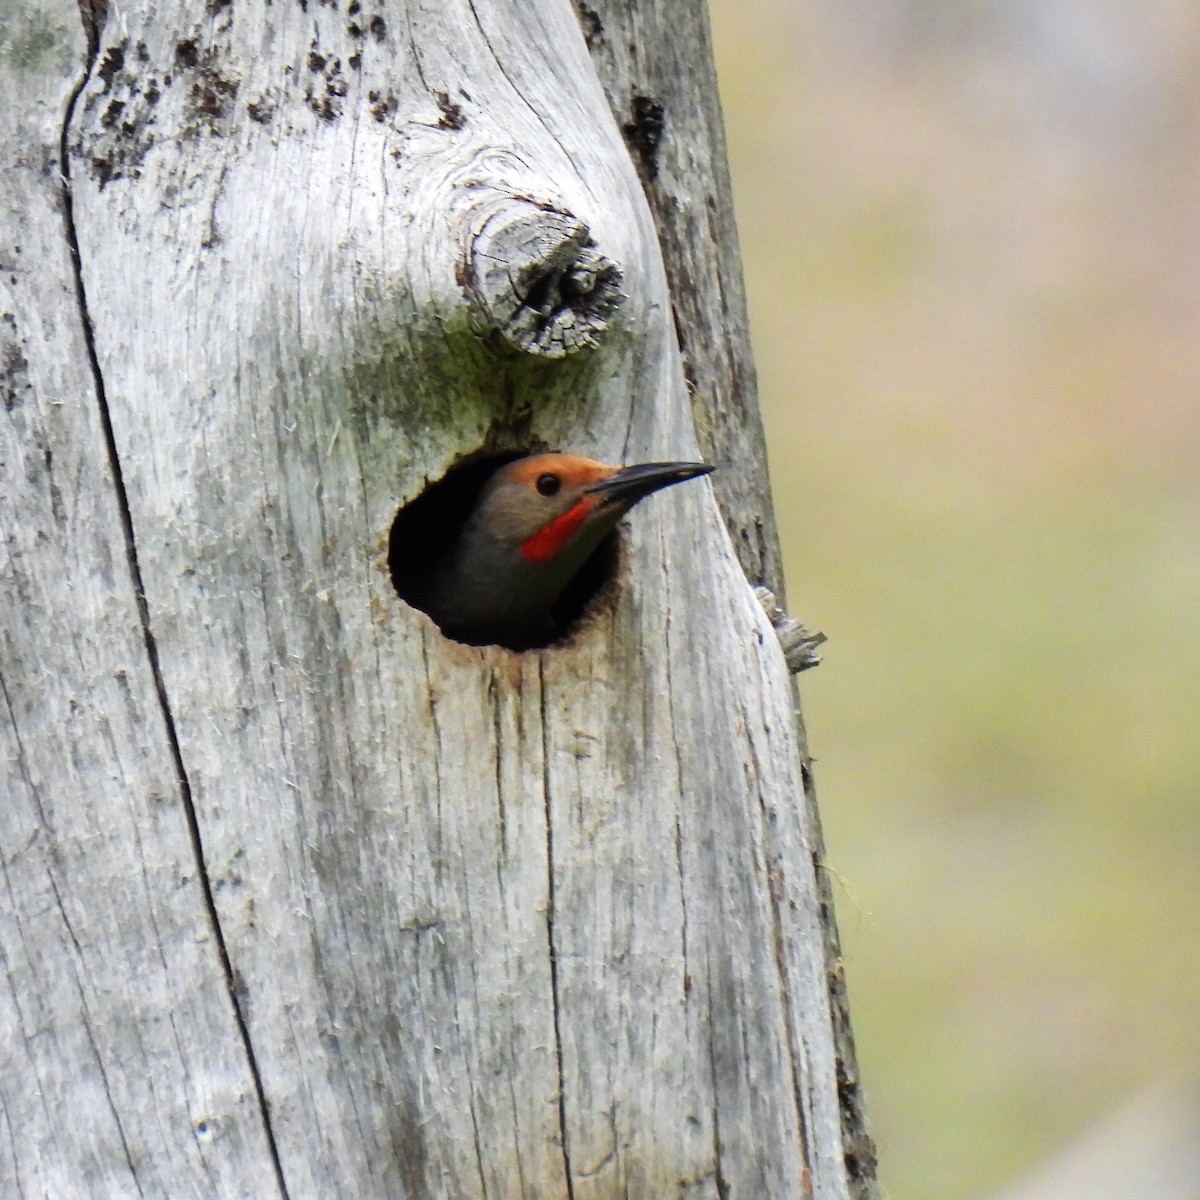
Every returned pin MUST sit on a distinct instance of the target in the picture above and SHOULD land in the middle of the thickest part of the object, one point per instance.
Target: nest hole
(425, 530)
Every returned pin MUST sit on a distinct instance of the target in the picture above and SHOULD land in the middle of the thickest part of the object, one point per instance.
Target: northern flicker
(536, 522)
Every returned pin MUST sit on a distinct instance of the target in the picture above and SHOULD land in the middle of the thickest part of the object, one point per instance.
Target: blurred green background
(972, 242)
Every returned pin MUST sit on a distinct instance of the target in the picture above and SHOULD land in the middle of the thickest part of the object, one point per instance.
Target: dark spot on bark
(56, 501)
(378, 28)
(593, 30)
(680, 336)
(355, 30)
(216, 6)
(207, 101)
(406, 1130)
(847, 1085)
(859, 1154)
(354, 8)
(355, 61)
(324, 102)
(111, 63)
(644, 133)
(260, 110)
(14, 368)
(322, 106)
(103, 172)
(383, 107)
(121, 133)
(211, 95)
(452, 114)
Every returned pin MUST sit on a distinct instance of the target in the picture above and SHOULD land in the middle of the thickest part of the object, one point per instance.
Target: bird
(536, 522)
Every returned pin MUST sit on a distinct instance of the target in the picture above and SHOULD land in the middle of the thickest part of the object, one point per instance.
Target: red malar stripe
(550, 539)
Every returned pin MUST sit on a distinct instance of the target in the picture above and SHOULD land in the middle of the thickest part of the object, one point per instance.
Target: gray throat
(485, 591)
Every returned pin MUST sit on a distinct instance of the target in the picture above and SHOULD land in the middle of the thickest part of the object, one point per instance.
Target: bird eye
(549, 485)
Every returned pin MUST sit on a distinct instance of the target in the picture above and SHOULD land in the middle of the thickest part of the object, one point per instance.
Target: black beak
(631, 484)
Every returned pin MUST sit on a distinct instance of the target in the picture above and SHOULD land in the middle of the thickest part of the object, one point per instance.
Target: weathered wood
(493, 924)
(122, 1071)
(540, 284)
(655, 61)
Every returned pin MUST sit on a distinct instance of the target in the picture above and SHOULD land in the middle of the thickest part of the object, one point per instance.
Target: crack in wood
(554, 989)
(143, 610)
(773, 869)
(718, 1169)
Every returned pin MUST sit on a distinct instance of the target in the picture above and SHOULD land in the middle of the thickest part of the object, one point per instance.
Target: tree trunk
(301, 898)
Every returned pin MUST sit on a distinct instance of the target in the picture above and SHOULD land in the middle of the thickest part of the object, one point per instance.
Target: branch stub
(539, 283)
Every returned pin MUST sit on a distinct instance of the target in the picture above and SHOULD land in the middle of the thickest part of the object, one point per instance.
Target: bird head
(535, 523)
(549, 506)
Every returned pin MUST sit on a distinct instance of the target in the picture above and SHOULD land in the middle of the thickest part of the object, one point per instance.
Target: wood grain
(122, 1071)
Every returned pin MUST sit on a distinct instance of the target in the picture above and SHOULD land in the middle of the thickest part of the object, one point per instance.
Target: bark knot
(537, 281)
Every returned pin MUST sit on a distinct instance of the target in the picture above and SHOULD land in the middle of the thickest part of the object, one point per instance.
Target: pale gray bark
(655, 61)
(122, 1069)
(301, 898)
